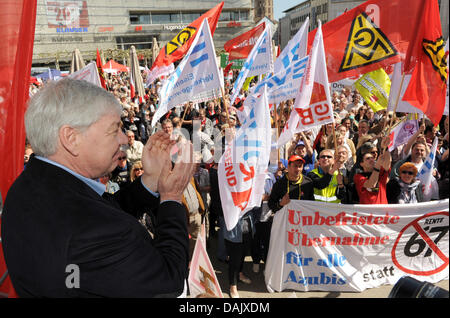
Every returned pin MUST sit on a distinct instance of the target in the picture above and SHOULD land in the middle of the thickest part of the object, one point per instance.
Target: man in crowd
(327, 181)
(62, 235)
(293, 185)
(133, 149)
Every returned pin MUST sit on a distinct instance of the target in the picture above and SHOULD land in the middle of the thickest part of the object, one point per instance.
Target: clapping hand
(155, 156)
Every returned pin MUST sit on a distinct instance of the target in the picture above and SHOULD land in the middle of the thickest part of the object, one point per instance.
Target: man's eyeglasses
(122, 158)
(408, 172)
(326, 157)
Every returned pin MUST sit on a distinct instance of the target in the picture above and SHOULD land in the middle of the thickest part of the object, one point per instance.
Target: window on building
(139, 18)
(189, 17)
(243, 15)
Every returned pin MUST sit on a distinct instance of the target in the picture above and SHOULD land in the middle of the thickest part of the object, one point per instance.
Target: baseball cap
(296, 158)
(300, 143)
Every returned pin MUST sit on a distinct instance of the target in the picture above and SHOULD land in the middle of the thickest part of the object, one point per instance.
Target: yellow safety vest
(327, 194)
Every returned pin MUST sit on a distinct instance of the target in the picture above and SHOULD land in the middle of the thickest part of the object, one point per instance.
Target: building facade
(327, 10)
(112, 26)
(263, 8)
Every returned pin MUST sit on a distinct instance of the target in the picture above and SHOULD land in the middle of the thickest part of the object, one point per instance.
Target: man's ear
(69, 139)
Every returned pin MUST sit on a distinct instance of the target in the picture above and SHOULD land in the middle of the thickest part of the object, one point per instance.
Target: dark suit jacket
(51, 219)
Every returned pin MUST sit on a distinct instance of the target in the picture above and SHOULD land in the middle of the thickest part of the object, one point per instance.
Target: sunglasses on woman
(408, 172)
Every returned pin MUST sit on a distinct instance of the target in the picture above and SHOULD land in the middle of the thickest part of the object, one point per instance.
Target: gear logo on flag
(182, 37)
(435, 51)
(366, 44)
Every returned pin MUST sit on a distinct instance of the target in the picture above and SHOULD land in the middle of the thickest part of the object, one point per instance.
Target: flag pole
(225, 104)
(276, 127)
(394, 111)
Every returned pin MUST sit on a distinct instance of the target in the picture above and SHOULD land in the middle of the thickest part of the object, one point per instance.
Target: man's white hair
(71, 102)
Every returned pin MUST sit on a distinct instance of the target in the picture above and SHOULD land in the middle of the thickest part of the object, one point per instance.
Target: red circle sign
(427, 241)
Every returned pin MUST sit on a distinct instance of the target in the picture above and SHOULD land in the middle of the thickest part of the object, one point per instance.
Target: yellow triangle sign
(182, 37)
(435, 51)
(366, 44)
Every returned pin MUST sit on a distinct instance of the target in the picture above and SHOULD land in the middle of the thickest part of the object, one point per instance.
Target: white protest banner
(243, 165)
(259, 61)
(196, 78)
(88, 73)
(313, 105)
(335, 247)
(202, 277)
(401, 133)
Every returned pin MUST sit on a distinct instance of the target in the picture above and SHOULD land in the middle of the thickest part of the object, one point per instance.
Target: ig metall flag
(197, 77)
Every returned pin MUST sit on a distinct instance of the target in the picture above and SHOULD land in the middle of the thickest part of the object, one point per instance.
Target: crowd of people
(346, 162)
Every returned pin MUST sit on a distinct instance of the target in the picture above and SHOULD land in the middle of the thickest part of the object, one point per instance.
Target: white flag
(313, 105)
(289, 69)
(196, 78)
(259, 61)
(243, 165)
(402, 133)
(295, 49)
(89, 73)
(430, 190)
(163, 70)
(396, 80)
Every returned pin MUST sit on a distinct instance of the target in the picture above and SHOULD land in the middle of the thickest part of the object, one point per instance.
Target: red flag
(179, 45)
(227, 69)
(428, 85)
(241, 46)
(372, 35)
(17, 25)
(132, 87)
(101, 73)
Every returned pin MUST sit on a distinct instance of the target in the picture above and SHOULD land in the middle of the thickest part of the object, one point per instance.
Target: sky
(280, 5)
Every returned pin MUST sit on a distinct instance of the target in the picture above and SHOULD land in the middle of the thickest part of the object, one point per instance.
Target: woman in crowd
(405, 188)
(136, 171)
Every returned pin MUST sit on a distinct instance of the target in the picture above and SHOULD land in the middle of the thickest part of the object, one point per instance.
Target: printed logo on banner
(366, 44)
(182, 37)
(435, 51)
(319, 110)
(425, 235)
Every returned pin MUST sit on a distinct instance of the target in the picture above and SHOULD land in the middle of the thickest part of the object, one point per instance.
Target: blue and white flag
(294, 50)
(196, 78)
(243, 166)
(425, 174)
(259, 61)
(289, 69)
